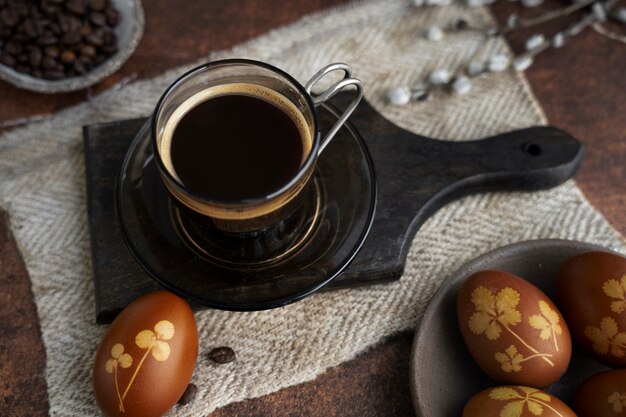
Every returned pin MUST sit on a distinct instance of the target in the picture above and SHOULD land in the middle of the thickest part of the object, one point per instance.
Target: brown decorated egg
(602, 395)
(591, 291)
(146, 358)
(512, 329)
(515, 401)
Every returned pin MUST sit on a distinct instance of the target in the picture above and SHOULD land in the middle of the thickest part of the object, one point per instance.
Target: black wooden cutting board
(415, 175)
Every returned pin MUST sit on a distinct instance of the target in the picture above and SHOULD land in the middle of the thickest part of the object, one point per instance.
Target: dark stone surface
(22, 354)
(580, 87)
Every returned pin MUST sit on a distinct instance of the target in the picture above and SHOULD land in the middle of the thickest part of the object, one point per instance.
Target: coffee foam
(247, 89)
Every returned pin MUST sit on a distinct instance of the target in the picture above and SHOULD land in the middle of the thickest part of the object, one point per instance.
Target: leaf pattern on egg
(617, 401)
(492, 310)
(607, 338)
(510, 360)
(547, 322)
(497, 311)
(118, 357)
(617, 290)
(154, 341)
(518, 397)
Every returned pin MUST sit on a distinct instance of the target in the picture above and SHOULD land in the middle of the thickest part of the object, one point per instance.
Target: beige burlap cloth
(43, 187)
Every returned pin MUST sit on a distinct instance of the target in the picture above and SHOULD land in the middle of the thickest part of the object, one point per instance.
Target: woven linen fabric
(43, 188)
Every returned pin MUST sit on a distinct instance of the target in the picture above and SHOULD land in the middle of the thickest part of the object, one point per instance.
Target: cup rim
(302, 171)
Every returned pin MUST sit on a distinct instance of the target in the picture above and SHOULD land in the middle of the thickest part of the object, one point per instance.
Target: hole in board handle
(531, 149)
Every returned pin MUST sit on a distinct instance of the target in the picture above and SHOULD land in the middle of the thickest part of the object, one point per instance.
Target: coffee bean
(76, 6)
(20, 37)
(8, 60)
(109, 38)
(35, 58)
(47, 40)
(95, 38)
(34, 13)
(222, 355)
(55, 28)
(67, 57)
(41, 22)
(30, 28)
(64, 23)
(9, 18)
(75, 23)
(79, 67)
(87, 62)
(97, 5)
(97, 19)
(52, 51)
(19, 9)
(25, 69)
(99, 59)
(37, 73)
(189, 394)
(50, 9)
(109, 49)
(53, 75)
(22, 58)
(48, 63)
(13, 48)
(85, 30)
(88, 51)
(71, 38)
(113, 16)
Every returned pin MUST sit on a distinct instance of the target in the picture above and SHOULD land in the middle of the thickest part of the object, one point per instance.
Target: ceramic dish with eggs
(444, 376)
(128, 31)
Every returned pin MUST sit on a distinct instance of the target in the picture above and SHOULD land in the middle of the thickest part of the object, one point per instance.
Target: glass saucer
(347, 189)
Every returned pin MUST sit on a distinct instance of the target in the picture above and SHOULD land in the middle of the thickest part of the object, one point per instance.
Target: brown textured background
(581, 88)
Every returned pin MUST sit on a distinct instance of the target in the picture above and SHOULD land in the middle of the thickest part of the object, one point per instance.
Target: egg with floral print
(516, 401)
(602, 395)
(591, 291)
(512, 329)
(146, 358)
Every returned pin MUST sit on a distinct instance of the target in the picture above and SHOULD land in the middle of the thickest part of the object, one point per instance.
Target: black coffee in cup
(235, 142)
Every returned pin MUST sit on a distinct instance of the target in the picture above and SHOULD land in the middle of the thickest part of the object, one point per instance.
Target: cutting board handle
(527, 159)
(417, 175)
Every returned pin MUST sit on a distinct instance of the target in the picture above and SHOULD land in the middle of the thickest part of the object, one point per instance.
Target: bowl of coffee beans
(53, 46)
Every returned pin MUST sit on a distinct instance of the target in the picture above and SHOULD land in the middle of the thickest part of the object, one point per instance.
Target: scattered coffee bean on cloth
(222, 354)
(189, 394)
(56, 39)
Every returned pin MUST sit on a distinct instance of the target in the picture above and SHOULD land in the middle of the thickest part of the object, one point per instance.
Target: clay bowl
(128, 31)
(443, 375)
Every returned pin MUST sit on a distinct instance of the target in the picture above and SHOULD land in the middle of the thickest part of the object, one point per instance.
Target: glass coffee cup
(236, 144)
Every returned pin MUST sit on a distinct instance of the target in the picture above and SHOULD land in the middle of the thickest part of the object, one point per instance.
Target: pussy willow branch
(546, 17)
(598, 27)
